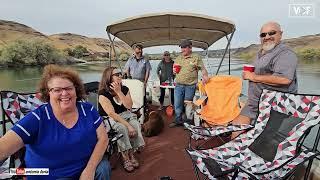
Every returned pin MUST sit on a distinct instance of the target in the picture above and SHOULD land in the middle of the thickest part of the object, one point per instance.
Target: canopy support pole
(225, 52)
(229, 59)
(114, 51)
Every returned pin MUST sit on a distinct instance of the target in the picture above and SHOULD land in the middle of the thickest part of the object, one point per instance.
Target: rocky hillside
(11, 31)
(297, 44)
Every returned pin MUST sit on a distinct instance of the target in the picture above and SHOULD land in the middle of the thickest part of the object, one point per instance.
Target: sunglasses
(119, 74)
(166, 55)
(271, 33)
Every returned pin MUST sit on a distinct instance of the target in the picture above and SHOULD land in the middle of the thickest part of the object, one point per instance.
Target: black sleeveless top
(117, 108)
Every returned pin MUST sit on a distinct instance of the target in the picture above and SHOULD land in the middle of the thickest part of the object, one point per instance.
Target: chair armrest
(200, 101)
(116, 137)
(215, 130)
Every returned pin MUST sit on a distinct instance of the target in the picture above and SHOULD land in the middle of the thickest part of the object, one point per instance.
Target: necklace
(64, 122)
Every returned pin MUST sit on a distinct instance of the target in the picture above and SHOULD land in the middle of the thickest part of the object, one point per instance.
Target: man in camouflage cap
(186, 79)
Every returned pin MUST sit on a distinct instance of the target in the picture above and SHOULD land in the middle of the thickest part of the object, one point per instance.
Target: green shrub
(79, 51)
(68, 52)
(33, 52)
(309, 54)
(124, 56)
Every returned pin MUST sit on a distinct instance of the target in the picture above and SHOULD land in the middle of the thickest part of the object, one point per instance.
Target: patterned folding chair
(273, 148)
(216, 114)
(14, 107)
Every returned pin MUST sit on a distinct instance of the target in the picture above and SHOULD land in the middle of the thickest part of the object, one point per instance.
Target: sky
(90, 17)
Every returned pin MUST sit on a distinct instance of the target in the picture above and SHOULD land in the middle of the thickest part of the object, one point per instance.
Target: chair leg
(306, 175)
(113, 156)
(235, 175)
(196, 170)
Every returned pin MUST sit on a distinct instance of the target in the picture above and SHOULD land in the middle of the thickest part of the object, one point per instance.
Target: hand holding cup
(176, 68)
(248, 67)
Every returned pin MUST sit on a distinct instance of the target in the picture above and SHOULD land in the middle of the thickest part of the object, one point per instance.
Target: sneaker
(174, 124)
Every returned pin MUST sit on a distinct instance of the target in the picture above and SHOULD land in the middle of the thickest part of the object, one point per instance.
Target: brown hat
(138, 46)
(166, 53)
(185, 43)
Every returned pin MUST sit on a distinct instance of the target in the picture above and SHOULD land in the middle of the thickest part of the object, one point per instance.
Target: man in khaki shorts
(186, 79)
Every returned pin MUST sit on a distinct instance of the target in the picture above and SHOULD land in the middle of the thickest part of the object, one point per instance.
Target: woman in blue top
(65, 135)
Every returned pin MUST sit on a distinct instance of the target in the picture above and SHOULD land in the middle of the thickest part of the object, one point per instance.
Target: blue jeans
(103, 172)
(182, 93)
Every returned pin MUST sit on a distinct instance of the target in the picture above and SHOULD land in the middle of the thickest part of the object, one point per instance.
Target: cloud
(91, 17)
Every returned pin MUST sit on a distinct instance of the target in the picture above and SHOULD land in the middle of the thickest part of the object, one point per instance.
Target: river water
(25, 79)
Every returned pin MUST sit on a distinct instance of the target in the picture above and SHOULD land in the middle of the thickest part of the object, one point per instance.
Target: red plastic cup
(248, 67)
(176, 68)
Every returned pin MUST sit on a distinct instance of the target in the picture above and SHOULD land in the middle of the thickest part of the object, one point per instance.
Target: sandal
(134, 162)
(127, 165)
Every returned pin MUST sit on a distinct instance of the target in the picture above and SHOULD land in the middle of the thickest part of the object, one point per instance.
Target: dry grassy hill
(11, 31)
(297, 44)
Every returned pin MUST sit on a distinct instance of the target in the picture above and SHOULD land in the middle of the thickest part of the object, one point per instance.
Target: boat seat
(137, 92)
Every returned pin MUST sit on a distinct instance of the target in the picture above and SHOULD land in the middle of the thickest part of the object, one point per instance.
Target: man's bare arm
(267, 79)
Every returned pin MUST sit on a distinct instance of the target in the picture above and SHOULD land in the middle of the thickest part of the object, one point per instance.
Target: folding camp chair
(14, 107)
(137, 91)
(91, 89)
(4, 169)
(221, 108)
(273, 148)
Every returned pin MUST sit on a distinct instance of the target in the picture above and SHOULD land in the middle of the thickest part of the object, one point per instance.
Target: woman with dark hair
(64, 134)
(115, 101)
(165, 73)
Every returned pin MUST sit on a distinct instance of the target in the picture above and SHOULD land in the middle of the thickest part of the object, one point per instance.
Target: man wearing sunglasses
(275, 69)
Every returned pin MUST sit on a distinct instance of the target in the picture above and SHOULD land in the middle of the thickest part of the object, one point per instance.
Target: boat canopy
(159, 29)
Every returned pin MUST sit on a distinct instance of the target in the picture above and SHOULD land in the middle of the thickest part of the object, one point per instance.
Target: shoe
(174, 124)
(134, 162)
(128, 166)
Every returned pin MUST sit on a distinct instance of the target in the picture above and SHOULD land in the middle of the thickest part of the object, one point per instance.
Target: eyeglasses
(59, 90)
(119, 74)
(166, 54)
(271, 33)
